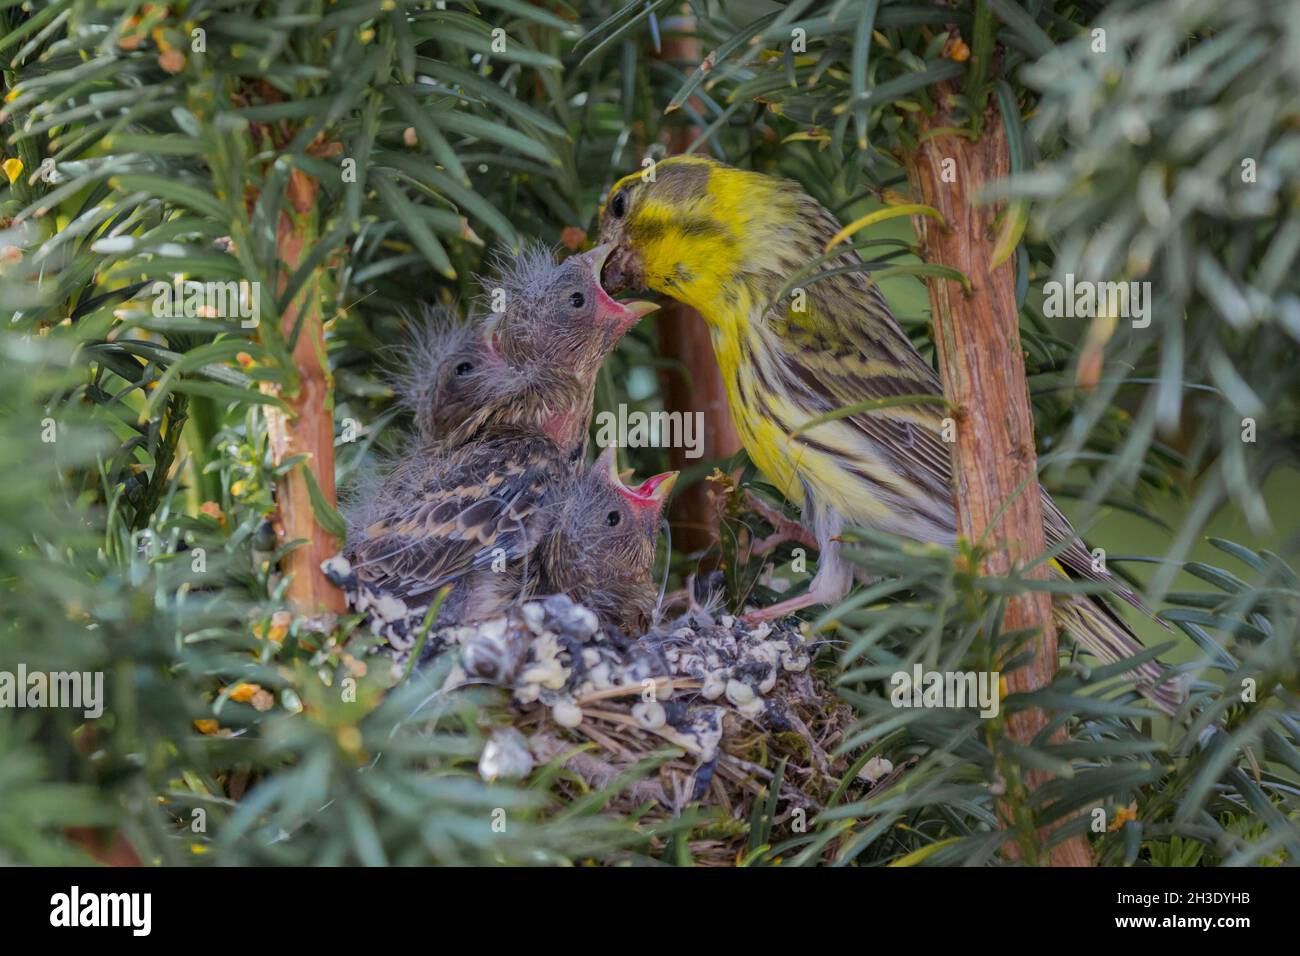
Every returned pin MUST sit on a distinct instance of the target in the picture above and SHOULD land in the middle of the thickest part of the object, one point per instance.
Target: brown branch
(994, 460)
(309, 427)
(695, 385)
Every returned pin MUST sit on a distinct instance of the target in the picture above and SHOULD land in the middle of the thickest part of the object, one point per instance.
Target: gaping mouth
(658, 487)
(652, 492)
(623, 314)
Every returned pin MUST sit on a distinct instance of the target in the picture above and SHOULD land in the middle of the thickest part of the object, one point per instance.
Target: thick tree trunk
(309, 428)
(994, 460)
(695, 386)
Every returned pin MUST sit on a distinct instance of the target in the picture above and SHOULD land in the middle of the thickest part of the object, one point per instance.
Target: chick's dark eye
(618, 206)
(613, 518)
(577, 300)
(464, 368)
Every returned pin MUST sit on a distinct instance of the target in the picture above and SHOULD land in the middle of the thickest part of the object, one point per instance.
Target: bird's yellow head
(693, 228)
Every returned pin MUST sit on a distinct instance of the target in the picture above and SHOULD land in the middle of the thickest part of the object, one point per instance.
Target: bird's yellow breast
(762, 434)
(765, 417)
(718, 248)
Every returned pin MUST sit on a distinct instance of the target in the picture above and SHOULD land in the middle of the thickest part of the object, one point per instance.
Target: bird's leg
(831, 582)
(824, 592)
(786, 529)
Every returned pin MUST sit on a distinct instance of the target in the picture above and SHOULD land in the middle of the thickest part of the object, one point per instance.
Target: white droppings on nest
(494, 629)
(490, 651)
(739, 693)
(552, 653)
(456, 677)
(769, 654)
(745, 699)
(390, 608)
(714, 685)
(877, 768)
(337, 566)
(462, 634)
(587, 624)
(649, 714)
(600, 676)
(506, 755)
(534, 617)
(566, 713)
(548, 669)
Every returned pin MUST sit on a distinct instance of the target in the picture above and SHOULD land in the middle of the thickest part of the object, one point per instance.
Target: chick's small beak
(651, 496)
(607, 464)
(622, 315)
(659, 487)
(490, 340)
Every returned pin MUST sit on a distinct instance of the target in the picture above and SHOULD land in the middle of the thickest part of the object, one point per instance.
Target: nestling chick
(469, 510)
(457, 383)
(502, 405)
(470, 518)
(559, 311)
(601, 545)
(553, 317)
(436, 382)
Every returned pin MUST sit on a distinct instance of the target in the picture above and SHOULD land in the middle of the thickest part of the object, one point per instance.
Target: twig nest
(685, 682)
(506, 755)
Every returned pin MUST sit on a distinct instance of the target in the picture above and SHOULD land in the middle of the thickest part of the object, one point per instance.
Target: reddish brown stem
(309, 426)
(994, 460)
(695, 385)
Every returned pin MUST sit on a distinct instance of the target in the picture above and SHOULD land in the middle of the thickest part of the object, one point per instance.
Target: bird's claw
(785, 528)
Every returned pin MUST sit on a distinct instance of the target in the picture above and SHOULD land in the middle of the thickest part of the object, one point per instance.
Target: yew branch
(695, 384)
(995, 486)
(309, 426)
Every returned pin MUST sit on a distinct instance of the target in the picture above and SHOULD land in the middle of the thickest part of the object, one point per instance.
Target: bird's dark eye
(577, 300)
(464, 368)
(613, 518)
(618, 206)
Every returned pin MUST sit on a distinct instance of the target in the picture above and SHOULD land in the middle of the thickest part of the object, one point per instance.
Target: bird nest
(723, 706)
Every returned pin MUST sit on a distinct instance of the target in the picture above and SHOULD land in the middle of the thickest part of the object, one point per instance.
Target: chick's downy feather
(600, 546)
(502, 404)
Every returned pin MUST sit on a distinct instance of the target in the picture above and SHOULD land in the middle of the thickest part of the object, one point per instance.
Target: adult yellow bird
(728, 242)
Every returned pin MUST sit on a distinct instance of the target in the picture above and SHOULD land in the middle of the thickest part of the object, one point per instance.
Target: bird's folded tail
(1099, 630)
